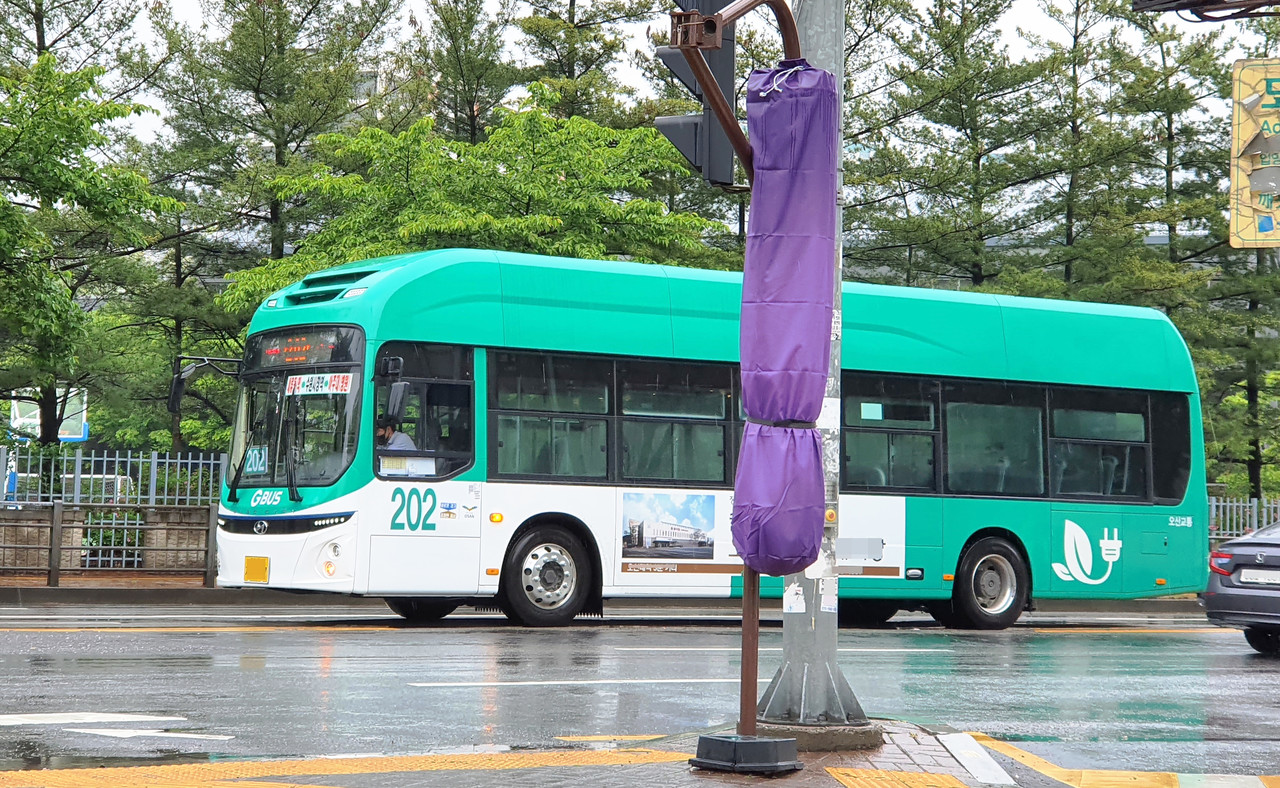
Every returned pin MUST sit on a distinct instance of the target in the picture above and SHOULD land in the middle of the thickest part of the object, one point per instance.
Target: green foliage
(538, 184)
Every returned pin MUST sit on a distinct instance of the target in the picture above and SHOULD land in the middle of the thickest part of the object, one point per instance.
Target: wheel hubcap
(994, 584)
(549, 575)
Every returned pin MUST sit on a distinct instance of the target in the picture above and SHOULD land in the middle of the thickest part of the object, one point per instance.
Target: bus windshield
(297, 418)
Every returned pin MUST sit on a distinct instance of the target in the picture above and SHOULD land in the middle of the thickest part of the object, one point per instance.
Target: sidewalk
(912, 757)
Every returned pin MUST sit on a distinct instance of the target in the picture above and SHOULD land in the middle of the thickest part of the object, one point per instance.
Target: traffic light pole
(809, 698)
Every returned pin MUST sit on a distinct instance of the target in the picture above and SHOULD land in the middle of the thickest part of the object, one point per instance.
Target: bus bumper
(323, 560)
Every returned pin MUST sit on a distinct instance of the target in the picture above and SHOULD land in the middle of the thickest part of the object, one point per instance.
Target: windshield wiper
(235, 478)
(290, 449)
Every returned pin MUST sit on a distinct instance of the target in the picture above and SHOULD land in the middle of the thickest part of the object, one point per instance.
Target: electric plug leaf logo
(1079, 554)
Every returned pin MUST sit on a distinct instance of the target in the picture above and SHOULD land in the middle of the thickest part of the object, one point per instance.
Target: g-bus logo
(266, 498)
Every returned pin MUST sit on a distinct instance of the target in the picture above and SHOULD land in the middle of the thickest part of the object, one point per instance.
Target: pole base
(730, 752)
(826, 738)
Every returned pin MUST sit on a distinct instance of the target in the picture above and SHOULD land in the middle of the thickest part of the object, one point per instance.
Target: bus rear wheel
(546, 579)
(866, 613)
(992, 585)
(420, 611)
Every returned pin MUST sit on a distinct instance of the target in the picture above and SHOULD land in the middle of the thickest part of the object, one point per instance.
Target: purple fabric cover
(788, 285)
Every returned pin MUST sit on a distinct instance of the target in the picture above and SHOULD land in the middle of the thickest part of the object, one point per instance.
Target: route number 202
(414, 509)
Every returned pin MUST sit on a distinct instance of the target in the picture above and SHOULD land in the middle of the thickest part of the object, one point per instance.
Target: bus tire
(420, 611)
(546, 579)
(866, 613)
(944, 612)
(992, 585)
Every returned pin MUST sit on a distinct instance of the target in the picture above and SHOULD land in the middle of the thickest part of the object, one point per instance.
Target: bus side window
(438, 414)
(995, 439)
(1170, 446)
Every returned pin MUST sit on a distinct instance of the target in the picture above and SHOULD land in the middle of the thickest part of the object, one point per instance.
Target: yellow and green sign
(1255, 154)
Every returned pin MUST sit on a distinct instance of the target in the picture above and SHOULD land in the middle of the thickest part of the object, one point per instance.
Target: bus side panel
(423, 537)
(508, 505)
(1028, 521)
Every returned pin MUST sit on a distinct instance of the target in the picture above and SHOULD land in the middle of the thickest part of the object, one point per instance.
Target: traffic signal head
(700, 138)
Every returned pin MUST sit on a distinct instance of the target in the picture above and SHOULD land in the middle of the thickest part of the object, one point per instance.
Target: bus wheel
(944, 612)
(992, 585)
(420, 611)
(546, 578)
(866, 613)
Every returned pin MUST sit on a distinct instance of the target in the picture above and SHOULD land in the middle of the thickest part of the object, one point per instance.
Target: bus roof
(503, 299)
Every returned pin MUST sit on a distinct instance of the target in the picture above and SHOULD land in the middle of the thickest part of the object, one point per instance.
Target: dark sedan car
(1244, 587)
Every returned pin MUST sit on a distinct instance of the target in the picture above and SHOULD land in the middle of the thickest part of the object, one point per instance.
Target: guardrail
(1232, 517)
(43, 475)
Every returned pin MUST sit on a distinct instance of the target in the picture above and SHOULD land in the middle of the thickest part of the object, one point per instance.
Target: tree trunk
(275, 207)
(1254, 462)
(50, 415)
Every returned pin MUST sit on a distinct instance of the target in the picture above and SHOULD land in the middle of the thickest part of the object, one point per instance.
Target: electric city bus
(565, 431)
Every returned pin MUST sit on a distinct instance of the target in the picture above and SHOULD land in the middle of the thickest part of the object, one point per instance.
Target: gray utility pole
(809, 697)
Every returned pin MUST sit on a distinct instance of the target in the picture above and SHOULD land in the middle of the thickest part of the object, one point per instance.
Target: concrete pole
(809, 697)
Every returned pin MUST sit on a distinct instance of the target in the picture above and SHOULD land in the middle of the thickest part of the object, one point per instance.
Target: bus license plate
(255, 569)
(1265, 576)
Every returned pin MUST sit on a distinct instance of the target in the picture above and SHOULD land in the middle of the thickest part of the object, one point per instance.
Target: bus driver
(389, 437)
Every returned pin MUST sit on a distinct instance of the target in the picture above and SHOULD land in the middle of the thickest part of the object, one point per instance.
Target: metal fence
(97, 512)
(75, 476)
(1232, 517)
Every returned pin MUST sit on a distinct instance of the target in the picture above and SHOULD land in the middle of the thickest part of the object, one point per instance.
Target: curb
(263, 597)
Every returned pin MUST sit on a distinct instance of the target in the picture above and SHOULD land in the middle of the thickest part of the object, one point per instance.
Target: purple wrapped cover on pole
(787, 290)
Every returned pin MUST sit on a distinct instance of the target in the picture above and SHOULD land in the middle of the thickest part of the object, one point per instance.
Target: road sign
(1255, 154)
(699, 138)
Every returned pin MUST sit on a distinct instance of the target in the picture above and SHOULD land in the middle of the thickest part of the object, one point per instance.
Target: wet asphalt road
(1111, 692)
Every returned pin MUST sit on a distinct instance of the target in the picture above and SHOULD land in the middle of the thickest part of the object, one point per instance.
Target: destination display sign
(304, 345)
(312, 385)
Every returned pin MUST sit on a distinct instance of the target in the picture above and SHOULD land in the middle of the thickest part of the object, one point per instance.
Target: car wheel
(420, 611)
(992, 585)
(546, 578)
(1264, 641)
(866, 613)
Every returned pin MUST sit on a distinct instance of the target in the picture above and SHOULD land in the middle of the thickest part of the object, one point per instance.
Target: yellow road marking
(1270, 782)
(217, 775)
(876, 778)
(1080, 778)
(641, 737)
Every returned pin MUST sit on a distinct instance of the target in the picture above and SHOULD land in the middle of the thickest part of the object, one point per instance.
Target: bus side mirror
(178, 386)
(390, 367)
(397, 398)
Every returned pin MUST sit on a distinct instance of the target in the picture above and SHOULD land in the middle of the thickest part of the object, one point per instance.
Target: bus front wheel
(546, 579)
(992, 585)
(420, 611)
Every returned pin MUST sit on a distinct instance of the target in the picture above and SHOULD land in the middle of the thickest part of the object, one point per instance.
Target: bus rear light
(1218, 563)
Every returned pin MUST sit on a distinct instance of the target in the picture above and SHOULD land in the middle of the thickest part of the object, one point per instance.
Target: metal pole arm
(692, 31)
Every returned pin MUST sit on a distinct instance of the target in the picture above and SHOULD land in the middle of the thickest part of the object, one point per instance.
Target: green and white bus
(574, 430)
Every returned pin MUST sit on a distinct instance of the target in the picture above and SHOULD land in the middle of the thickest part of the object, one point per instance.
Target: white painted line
(73, 717)
(570, 682)
(975, 759)
(191, 617)
(1218, 781)
(126, 733)
(736, 649)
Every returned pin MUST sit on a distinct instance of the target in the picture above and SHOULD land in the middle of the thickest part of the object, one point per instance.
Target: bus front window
(297, 419)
